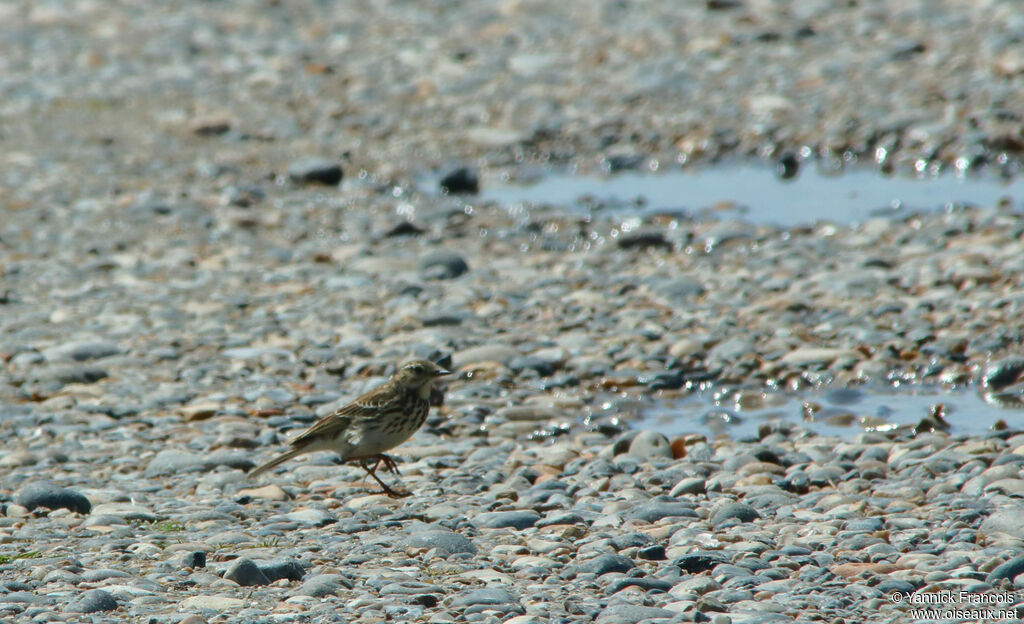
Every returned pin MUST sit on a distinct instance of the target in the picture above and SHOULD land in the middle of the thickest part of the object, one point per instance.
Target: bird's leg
(389, 463)
(364, 461)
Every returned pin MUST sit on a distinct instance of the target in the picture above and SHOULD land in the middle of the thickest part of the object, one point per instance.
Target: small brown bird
(375, 422)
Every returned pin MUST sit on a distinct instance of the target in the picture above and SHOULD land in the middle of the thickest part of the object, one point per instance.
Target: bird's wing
(366, 407)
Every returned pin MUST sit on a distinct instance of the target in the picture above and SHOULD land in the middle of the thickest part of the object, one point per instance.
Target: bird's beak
(442, 372)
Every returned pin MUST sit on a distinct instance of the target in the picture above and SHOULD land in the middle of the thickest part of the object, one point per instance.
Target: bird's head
(419, 374)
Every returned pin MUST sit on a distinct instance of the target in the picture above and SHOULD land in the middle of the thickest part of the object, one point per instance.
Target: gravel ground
(184, 284)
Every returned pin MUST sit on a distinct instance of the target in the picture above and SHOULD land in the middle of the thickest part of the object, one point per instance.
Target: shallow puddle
(756, 193)
(842, 412)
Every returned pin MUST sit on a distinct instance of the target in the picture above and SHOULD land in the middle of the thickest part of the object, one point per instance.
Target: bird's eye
(416, 369)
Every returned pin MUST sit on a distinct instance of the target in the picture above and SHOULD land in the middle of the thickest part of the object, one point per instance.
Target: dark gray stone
(24, 596)
(490, 596)
(446, 542)
(652, 553)
(656, 510)
(700, 561)
(408, 588)
(644, 238)
(561, 517)
(1002, 373)
(506, 519)
(246, 573)
(196, 559)
(645, 583)
(679, 289)
(173, 461)
(666, 381)
(690, 485)
(631, 614)
(441, 265)
(730, 350)
(230, 458)
(1009, 570)
(16, 586)
(404, 228)
(82, 351)
(103, 574)
(461, 181)
(323, 585)
(315, 171)
(68, 374)
(734, 511)
(51, 496)
(277, 570)
(630, 540)
(604, 564)
(542, 367)
(891, 586)
(93, 601)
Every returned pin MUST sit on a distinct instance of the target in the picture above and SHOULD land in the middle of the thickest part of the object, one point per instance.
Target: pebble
(93, 601)
(212, 603)
(313, 170)
(51, 496)
(245, 572)
(690, 485)
(322, 585)
(628, 614)
(523, 519)
(488, 599)
(170, 462)
(270, 492)
(697, 562)
(461, 181)
(604, 564)
(1009, 521)
(442, 265)
(734, 512)
(1009, 570)
(657, 510)
(650, 444)
(82, 351)
(446, 543)
(277, 570)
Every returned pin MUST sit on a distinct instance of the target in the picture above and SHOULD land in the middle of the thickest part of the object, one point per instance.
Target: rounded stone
(1009, 570)
(734, 511)
(650, 444)
(442, 264)
(506, 519)
(461, 181)
(445, 542)
(196, 559)
(93, 601)
(604, 564)
(246, 573)
(51, 496)
(315, 171)
(277, 570)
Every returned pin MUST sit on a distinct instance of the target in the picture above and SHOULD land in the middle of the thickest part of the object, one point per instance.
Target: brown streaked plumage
(376, 422)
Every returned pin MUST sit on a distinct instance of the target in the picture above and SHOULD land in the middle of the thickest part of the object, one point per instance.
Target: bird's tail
(277, 461)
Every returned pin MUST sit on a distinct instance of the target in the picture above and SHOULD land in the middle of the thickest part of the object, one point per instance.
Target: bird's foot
(390, 465)
(393, 493)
